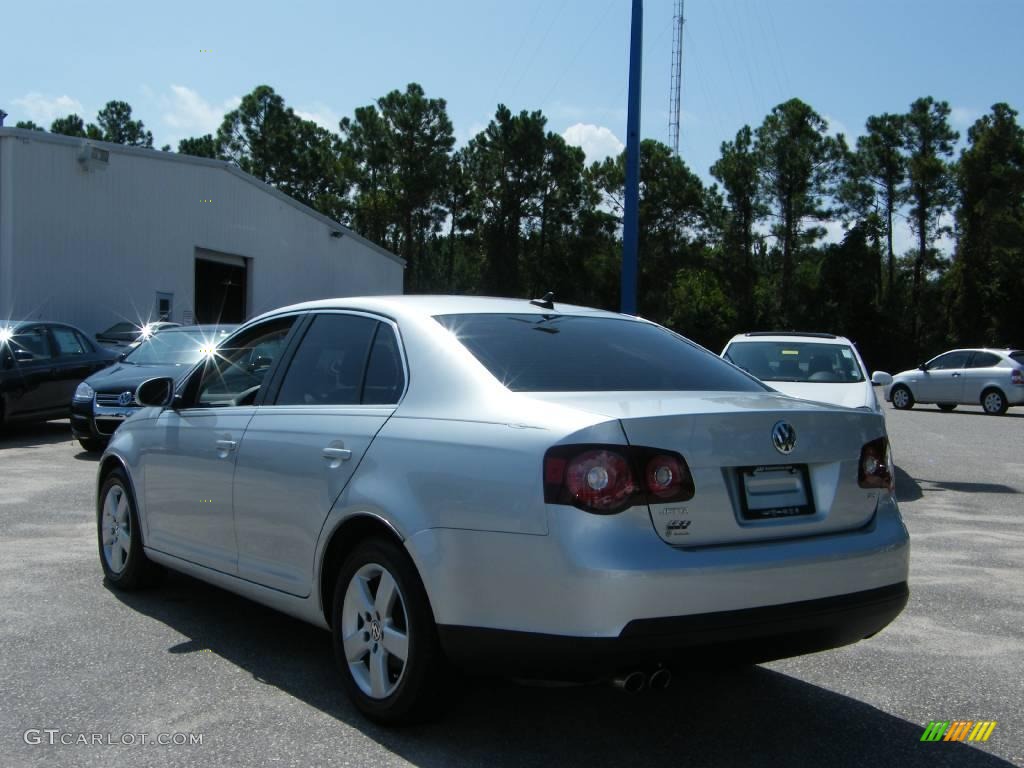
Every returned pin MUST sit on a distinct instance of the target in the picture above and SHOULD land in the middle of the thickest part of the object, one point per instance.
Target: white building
(93, 233)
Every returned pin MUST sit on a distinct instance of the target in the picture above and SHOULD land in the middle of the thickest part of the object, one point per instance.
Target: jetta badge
(783, 437)
(126, 398)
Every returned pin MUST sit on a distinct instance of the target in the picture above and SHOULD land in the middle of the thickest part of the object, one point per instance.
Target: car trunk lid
(747, 490)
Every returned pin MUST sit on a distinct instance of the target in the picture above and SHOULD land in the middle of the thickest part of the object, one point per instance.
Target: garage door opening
(221, 283)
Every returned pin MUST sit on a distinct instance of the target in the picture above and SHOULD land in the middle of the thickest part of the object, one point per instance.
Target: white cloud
(836, 126)
(187, 113)
(596, 141)
(963, 117)
(322, 115)
(45, 109)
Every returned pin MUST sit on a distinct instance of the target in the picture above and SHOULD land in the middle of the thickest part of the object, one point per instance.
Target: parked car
(536, 488)
(992, 378)
(811, 366)
(107, 398)
(41, 363)
(131, 334)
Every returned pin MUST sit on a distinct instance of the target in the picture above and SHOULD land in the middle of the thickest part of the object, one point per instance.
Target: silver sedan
(526, 487)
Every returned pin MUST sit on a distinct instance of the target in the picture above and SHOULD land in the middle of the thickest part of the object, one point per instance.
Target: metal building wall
(92, 247)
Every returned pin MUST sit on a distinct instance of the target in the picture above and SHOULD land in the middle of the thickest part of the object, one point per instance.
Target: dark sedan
(107, 398)
(41, 363)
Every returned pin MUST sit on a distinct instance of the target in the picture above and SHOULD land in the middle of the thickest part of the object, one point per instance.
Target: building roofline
(224, 165)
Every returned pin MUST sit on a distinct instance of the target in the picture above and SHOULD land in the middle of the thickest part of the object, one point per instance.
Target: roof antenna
(548, 302)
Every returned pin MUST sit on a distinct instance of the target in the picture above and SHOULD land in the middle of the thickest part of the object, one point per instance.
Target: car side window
(948, 361)
(984, 360)
(385, 378)
(68, 343)
(234, 375)
(32, 340)
(329, 364)
(86, 344)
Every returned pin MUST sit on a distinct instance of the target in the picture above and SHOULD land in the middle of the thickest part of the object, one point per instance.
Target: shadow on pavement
(749, 716)
(33, 435)
(977, 411)
(907, 488)
(965, 487)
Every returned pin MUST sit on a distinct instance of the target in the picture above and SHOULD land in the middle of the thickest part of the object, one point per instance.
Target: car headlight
(84, 392)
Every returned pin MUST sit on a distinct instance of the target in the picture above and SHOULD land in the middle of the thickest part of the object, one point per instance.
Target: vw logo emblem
(783, 437)
(376, 632)
(126, 398)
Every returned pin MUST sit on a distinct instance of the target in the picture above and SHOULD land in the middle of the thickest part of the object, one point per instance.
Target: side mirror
(158, 392)
(881, 377)
(122, 356)
(23, 356)
(923, 367)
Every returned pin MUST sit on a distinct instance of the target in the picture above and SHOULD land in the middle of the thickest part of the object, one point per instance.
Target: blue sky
(566, 57)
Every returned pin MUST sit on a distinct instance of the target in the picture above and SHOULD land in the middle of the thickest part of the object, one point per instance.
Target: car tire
(993, 402)
(902, 399)
(92, 444)
(947, 407)
(384, 687)
(124, 562)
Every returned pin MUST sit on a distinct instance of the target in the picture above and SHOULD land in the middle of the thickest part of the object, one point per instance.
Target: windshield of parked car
(796, 361)
(173, 348)
(571, 353)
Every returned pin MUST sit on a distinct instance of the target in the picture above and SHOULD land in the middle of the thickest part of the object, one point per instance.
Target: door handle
(955, 375)
(337, 454)
(226, 445)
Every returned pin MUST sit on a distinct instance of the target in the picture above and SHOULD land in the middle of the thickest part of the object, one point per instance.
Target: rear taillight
(876, 468)
(606, 479)
(1017, 377)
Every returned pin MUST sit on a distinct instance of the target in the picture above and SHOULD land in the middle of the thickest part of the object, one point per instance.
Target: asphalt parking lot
(260, 688)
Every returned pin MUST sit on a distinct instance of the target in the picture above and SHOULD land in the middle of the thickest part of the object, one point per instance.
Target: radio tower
(676, 85)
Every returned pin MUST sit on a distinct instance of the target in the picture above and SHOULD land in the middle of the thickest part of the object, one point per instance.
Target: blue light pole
(631, 217)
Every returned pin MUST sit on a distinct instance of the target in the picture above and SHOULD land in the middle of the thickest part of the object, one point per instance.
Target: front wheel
(994, 402)
(125, 565)
(947, 407)
(384, 636)
(902, 400)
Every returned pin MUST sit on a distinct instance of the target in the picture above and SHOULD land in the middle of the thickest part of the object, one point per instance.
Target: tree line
(517, 211)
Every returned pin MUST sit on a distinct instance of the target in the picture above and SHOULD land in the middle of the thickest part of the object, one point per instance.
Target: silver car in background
(506, 486)
(991, 378)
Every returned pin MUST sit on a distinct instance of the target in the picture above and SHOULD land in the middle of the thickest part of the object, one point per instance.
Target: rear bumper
(606, 576)
(752, 635)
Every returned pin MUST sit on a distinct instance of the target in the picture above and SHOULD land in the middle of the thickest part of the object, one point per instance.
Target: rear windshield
(570, 353)
(1017, 357)
(796, 361)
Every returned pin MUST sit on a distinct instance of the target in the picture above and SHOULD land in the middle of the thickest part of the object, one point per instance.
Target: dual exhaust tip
(638, 680)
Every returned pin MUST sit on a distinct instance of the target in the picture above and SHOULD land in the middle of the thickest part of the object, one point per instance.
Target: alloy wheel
(375, 631)
(900, 398)
(993, 403)
(117, 532)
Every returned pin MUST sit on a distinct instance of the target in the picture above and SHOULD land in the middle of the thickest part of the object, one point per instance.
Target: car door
(943, 381)
(29, 389)
(190, 466)
(300, 451)
(978, 374)
(74, 363)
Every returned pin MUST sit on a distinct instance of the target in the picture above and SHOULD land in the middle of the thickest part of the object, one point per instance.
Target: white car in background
(811, 366)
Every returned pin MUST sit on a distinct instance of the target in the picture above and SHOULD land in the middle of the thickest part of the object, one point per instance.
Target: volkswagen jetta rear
(696, 513)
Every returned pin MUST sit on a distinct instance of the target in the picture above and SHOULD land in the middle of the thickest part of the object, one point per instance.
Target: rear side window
(328, 366)
(68, 342)
(385, 378)
(1017, 357)
(984, 360)
(572, 353)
